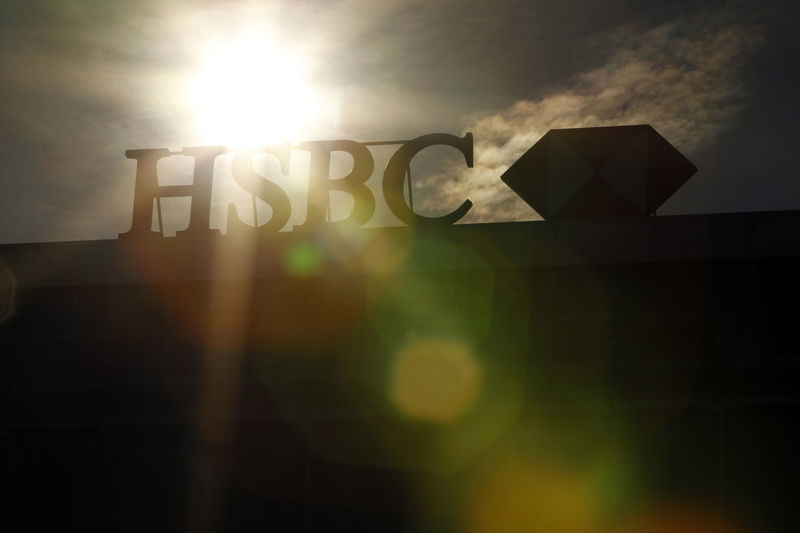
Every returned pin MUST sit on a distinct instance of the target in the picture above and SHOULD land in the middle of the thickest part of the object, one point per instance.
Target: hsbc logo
(615, 171)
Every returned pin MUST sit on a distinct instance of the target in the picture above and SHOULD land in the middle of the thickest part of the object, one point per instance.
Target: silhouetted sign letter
(200, 215)
(320, 184)
(147, 189)
(394, 177)
(260, 187)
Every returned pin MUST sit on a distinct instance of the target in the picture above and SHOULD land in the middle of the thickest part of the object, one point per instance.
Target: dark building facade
(634, 375)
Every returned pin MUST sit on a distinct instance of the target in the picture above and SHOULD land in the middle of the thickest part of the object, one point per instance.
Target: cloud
(685, 78)
(83, 82)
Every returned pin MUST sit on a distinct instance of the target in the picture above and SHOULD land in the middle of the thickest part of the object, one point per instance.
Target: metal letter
(320, 184)
(147, 189)
(394, 176)
(259, 186)
(200, 215)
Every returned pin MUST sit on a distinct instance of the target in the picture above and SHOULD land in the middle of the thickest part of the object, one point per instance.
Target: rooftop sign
(320, 183)
(570, 173)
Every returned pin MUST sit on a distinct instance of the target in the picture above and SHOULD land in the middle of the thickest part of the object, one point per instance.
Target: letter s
(257, 185)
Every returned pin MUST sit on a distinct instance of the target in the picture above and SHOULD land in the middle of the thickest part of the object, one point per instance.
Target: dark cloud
(686, 78)
(84, 80)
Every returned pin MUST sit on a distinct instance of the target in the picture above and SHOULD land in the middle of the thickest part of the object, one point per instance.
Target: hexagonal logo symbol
(614, 171)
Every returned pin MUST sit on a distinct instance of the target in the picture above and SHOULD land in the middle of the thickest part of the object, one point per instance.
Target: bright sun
(250, 91)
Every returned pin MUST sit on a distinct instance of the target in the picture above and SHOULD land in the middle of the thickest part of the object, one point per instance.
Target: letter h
(147, 189)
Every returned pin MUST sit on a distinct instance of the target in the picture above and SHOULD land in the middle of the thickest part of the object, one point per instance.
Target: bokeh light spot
(303, 259)
(435, 380)
(669, 517)
(532, 497)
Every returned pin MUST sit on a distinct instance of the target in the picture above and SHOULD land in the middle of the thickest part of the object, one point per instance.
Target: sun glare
(250, 91)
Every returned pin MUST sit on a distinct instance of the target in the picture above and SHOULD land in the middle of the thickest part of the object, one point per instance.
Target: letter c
(394, 177)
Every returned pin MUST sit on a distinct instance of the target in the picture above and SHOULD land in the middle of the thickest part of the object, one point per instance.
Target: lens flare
(532, 497)
(303, 259)
(669, 517)
(435, 380)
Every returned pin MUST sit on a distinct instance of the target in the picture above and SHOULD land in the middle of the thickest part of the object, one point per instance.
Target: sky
(82, 81)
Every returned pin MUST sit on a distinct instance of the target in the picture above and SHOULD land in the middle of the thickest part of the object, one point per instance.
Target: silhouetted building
(590, 375)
